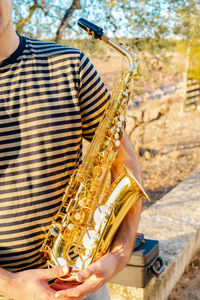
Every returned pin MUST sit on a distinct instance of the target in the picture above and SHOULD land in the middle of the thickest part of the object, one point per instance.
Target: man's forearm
(5, 282)
(124, 240)
(126, 156)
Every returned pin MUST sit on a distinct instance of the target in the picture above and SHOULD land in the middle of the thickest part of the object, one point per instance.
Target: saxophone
(91, 212)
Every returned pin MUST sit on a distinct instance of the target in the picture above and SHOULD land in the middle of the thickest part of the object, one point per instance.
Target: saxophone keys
(118, 129)
(79, 216)
(101, 213)
(110, 132)
(53, 232)
(125, 94)
(84, 198)
(108, 145)
(116, 135)
(101, 156)
(70, 226)
(55, 229)
(82, 262)
(119, 124)
(61, 261)
(117, 143)
(90, 239)
(97, 171)
(121, 117)
(81, 202)
(91, 186)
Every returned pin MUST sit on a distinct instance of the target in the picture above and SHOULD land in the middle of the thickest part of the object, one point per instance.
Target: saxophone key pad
(81, 203)
(97, 171)
(90, 239)
(77, 216)
(61, 261)
(119, 123)
(108, 145)
(122, 118)
(82, 262)
(116, 136)
(100, 214)
(117, 143)
(70, 226)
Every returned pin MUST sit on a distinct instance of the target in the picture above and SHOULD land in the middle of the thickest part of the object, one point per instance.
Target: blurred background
(164, 112)
(163, 116)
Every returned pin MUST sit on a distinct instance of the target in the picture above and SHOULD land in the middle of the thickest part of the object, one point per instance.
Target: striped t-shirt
(51, 97)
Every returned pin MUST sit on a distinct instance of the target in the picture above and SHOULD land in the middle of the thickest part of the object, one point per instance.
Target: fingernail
(65, 269)
(79, 277)
(58, 294)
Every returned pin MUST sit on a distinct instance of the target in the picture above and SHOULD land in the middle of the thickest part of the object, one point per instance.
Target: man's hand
(92, 278)
(33, 284)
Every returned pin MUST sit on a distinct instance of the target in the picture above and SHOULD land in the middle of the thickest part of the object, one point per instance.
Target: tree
(65, 20)
(188, 20)
(32, 7)
(55, 19)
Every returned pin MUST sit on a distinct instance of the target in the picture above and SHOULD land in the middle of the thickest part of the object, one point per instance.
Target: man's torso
(42, 124)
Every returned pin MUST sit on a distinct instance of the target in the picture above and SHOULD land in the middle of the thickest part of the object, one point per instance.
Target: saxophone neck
(97, 33)
(128, 53)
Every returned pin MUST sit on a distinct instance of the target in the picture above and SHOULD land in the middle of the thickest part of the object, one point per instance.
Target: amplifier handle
(157, 269)
(139, 240)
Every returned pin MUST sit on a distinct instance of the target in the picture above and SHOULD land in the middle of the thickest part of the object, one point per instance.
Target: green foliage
(188, 20)
(99, 49)
(194, 61)
(93, 47)
(153, 45)
(180, 46)
(142, 18)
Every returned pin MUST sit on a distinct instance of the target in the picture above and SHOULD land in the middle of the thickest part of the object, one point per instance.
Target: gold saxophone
(91, 213)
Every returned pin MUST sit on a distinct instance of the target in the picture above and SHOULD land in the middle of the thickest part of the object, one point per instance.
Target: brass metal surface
(91, 212)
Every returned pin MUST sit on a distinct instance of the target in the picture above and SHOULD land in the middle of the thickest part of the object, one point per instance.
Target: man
(51, 96)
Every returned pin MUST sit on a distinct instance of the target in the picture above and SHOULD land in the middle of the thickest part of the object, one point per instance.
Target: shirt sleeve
(93, 97)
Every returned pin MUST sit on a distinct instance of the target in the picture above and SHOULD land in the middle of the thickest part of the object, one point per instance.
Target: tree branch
(23, 21)
(65, 20)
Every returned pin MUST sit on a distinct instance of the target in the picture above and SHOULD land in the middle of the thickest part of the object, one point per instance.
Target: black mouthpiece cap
(91, 28)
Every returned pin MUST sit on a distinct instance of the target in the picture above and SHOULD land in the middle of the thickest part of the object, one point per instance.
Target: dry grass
(188, 288)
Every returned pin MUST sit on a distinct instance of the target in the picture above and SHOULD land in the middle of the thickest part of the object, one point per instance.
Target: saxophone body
(91, 211)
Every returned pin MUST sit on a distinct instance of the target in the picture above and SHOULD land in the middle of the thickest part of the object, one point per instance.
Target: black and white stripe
(50, 97)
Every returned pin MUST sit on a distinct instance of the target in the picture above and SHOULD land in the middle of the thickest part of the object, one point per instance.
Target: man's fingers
(57, 286)
(89, 286)
(93, 269)
(56, 272)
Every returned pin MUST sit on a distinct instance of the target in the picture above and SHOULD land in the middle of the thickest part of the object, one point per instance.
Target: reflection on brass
(91, 212)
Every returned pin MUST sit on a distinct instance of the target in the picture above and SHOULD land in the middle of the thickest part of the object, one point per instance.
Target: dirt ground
(168, 144)
(172, 154)
(169, 147)
(188, 287)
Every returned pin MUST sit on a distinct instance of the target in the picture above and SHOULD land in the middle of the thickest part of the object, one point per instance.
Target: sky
(148, 10)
